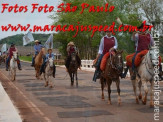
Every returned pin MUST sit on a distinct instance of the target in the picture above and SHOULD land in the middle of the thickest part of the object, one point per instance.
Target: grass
(26, 58)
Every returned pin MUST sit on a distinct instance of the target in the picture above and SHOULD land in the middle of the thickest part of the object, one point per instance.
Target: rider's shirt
(107, 43)
(37, 48)
(142, 42)
(49, 56)
(11, 50)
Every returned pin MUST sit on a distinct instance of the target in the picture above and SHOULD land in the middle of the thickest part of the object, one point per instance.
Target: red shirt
(11, 50)
(108, 44)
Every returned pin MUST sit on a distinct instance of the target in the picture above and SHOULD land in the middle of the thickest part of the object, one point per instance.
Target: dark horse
(73, 67)
(113, 70)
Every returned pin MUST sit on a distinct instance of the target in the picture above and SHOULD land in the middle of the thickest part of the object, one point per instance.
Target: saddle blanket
(138, 58)
(104, 60)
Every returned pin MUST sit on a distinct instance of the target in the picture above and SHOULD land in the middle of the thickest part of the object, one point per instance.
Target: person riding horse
(45, 59)
(37, 48)
(10, 54)
(71, 48)
(142, 42)
(108, 43)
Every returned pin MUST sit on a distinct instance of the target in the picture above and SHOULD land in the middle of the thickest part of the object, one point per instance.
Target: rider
(108, 43)
(10, 54)
(70, 49)
(37, 48)
(45, 59)
(142, 41)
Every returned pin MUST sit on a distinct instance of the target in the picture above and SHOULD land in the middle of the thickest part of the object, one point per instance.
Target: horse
(145, 73)
(49, 72)
(113, 70)
(13, 66)
(38, 62)
(73, 67)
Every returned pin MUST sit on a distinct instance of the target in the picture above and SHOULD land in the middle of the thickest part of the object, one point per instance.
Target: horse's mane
(38, 59)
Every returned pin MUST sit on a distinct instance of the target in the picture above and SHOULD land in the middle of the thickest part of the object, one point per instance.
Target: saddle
(138, 58)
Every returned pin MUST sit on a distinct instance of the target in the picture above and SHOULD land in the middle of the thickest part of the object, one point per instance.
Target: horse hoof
(137, 101)
(102, 98)
(119, 103)
(151, 104)
(109, 102)
(46, 84)
(140, 97)
(144, 102)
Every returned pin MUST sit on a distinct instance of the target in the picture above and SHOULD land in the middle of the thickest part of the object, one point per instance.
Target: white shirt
(137, 38)
(101, 47)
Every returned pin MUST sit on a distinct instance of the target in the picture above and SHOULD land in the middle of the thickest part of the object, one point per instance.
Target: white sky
(25, 18)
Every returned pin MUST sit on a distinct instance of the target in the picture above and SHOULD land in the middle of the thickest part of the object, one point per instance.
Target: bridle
(114, 66)
(146, 62)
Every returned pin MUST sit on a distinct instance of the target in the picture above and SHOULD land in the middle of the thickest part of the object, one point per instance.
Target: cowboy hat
(71, 43)
(36, 41)
(50, 49)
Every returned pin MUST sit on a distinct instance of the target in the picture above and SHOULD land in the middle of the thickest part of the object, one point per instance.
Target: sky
(25, 18)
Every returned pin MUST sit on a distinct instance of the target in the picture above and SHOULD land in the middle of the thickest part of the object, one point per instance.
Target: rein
(112, 65)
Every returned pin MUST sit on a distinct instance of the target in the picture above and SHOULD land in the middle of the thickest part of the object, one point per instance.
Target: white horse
(13, 66)
(146, 73)
(48, 75)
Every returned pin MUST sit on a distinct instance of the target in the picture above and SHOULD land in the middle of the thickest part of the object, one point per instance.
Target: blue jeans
(97, 65)
(99, 62)
(8, 59)
(133, 60)
(33, 58)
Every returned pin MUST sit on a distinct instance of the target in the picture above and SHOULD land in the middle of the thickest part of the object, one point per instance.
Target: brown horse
(38, 62)
(114, 68)
(73, 67)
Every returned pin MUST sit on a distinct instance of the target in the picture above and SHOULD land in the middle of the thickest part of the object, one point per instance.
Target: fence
(89, 64)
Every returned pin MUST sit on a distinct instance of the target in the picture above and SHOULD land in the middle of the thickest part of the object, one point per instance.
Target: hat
(50, 49)
(36, 41)
(12, 44)
(142, 25)
(70, 43)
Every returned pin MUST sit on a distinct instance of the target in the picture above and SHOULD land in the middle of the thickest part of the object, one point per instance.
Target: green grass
(26, 58)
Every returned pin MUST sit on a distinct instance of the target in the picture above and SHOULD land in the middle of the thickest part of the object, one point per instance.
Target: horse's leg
(118, 90)
(76, 79)
(46, 80)
(71, 76)
(102, 88)
(14, 74)
(109, 82)
(151, 95)
(50, 81)
(72, 79)
(144, 100)
(140, 94)
(135, 90)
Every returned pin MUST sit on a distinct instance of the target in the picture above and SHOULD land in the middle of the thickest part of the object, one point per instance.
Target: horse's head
(118, 61)
(73, 57)
(15, 56)
(153, 54)
(51, 62)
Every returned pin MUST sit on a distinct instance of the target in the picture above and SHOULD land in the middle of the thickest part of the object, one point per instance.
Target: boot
(54, 70)
(133, 77)
(33, 62)
(123, 75)
(160, 73)
(6, 67)
(41, 69)
(19, 67)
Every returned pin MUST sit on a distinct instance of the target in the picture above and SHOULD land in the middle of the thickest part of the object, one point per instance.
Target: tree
(88, 46)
